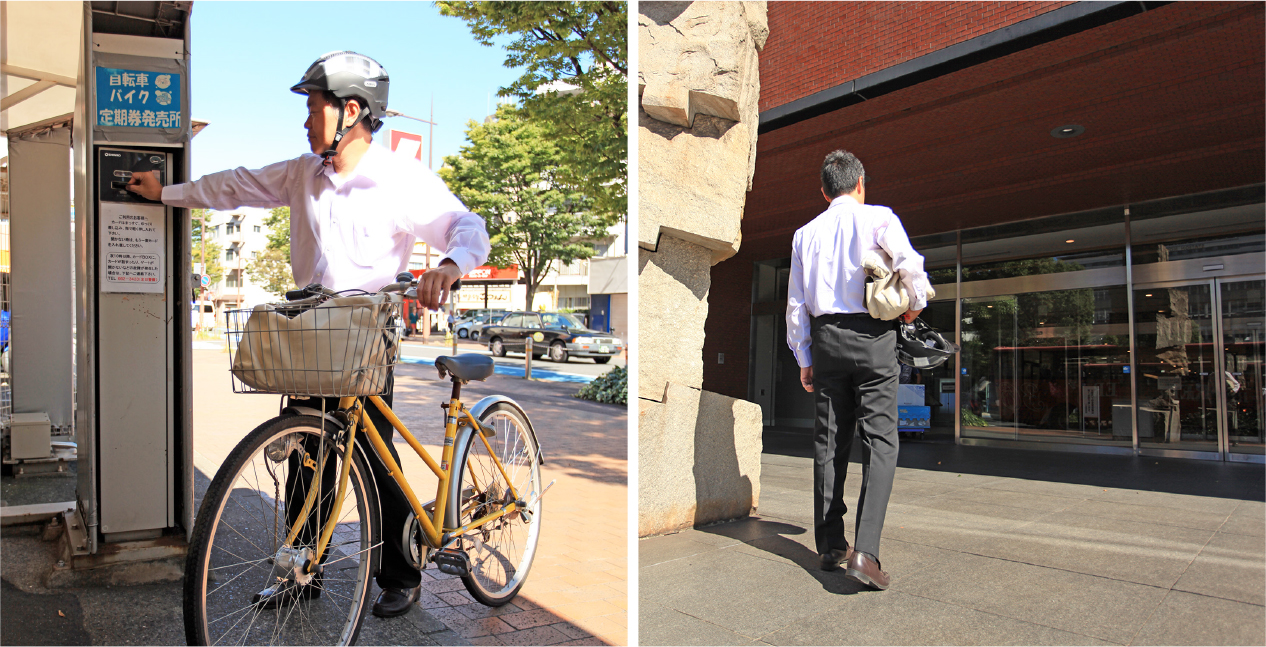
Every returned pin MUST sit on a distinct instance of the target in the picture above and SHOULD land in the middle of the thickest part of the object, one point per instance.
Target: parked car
(493, 319)
(559, 335)
(469, 327)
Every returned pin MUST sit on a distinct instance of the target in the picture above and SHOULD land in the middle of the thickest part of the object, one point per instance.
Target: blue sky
(246, 55)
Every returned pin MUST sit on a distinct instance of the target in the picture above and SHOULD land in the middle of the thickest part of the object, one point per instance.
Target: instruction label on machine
(133, 258)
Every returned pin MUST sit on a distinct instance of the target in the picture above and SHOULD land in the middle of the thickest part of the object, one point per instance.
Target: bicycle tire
(242, 521)
(501, 551)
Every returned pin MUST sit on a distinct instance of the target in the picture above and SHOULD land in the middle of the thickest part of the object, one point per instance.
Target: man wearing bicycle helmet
(848, 359)
(356, 211)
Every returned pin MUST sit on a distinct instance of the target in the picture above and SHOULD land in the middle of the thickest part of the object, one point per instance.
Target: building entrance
(1199, 359)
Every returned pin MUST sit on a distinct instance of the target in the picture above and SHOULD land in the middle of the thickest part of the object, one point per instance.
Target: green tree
(214, 268)
(580, 44)
(506, 173)
(271, 269)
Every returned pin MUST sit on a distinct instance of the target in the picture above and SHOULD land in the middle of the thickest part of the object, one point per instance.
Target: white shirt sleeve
(240, 187)
(443, 222)
(905, 260)
(798, 316)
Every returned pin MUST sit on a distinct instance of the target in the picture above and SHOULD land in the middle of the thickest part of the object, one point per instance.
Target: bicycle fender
(315, 413)
(484, 404)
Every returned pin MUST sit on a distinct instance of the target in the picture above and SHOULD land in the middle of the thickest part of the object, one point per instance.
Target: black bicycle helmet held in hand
(920, 346)
(347, 75)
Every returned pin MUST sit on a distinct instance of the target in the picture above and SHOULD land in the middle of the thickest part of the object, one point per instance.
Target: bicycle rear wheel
(235, 554)
(501, 551)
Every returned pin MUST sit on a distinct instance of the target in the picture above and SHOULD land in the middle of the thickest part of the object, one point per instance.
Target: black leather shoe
(286, 593)
(395, 602)
(831, 561)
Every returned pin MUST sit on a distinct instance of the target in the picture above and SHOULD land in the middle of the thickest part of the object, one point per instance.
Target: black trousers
(855, 389)
(395, 571)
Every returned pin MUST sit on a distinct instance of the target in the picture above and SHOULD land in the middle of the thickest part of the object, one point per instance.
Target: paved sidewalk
(576, 592)
(985, 546)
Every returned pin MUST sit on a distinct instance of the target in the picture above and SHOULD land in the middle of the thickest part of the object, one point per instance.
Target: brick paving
(577, 591)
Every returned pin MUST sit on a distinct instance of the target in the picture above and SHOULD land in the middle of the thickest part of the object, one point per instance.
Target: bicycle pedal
(452, 561)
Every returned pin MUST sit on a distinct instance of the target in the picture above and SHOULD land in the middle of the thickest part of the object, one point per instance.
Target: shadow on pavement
(771, 537)
(1246, 481)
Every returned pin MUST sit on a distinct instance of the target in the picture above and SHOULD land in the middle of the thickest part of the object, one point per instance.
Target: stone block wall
(699, 452)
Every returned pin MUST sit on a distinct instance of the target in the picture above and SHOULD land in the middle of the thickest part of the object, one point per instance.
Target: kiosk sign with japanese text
(137, 98)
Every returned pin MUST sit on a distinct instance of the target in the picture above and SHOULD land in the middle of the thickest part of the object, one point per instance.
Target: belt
(843, 316)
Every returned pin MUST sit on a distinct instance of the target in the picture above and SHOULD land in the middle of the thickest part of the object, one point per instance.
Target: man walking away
(849, 359)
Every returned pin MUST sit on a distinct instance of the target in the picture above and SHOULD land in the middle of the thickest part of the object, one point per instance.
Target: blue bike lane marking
(515, 371)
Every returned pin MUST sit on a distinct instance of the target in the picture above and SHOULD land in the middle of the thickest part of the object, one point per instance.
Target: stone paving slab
(1107, 609)
(1231, 567)
(898, 618)
(1105, 553)
(659, 625)
(1189, 619)
(1143, 553)
(1248, 519)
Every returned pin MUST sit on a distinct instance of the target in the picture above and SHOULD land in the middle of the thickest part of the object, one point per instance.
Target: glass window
(1047, 367)
(532, 321)
(513, 321)
(940, 256)
(1177, 378)
(257, 229)
(1066, 243)
(1243, 317)
(1219, 232)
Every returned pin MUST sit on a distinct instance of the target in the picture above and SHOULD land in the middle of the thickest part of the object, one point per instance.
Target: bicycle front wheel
(243, 585)
(500, 551)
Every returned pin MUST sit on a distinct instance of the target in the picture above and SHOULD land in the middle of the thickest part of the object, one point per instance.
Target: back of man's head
(840, 172)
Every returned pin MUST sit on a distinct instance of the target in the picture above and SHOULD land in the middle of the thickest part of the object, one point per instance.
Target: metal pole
(527, 361)
(452, 313)
(431, 136)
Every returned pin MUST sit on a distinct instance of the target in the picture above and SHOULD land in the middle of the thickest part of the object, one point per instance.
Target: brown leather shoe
(865, 569)
(831, 561)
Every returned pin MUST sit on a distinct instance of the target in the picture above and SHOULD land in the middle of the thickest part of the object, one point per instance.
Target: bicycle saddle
(465, 367)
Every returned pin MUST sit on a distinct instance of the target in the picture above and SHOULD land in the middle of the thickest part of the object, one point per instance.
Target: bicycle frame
(437, 536)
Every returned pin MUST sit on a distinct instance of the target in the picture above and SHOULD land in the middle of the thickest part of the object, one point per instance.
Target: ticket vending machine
(133, 402)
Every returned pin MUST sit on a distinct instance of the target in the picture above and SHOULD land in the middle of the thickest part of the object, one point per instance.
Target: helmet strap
(341, 131)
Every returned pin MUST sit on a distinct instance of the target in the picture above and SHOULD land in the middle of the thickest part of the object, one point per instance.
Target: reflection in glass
(1066, 243)
(1243, 317)
(1177, 400)
(1047, 367)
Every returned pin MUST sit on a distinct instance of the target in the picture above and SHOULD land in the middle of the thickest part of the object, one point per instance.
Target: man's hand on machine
(911, 315)
(433, 284)
(146, 185)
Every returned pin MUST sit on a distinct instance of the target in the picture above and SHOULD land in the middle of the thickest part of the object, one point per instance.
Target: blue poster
(137, 98)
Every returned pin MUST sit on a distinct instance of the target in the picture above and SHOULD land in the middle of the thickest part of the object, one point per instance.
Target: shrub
(611, 387)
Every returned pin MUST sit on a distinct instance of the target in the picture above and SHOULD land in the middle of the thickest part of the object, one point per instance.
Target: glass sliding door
(1243, 309)
(1177, 368)
(1048, 366)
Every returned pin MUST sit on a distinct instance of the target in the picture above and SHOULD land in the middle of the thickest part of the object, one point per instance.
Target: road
(574, 370)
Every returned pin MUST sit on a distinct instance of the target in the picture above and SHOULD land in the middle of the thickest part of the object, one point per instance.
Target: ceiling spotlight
(1147, 295)
(1064, 132)
(1070, 241)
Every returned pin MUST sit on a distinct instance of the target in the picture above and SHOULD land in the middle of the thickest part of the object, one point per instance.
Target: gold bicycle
(279, 555)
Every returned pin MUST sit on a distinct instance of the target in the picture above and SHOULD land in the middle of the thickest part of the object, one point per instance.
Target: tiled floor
(990, 547)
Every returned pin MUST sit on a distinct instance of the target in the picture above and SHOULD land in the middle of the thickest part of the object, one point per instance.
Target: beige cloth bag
(341, 347)
(886, 296)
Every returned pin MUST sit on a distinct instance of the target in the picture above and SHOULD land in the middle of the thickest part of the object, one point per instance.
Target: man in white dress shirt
(355, 212)
(849, 359)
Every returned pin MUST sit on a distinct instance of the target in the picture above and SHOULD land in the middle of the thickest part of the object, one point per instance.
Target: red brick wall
(813, 46)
